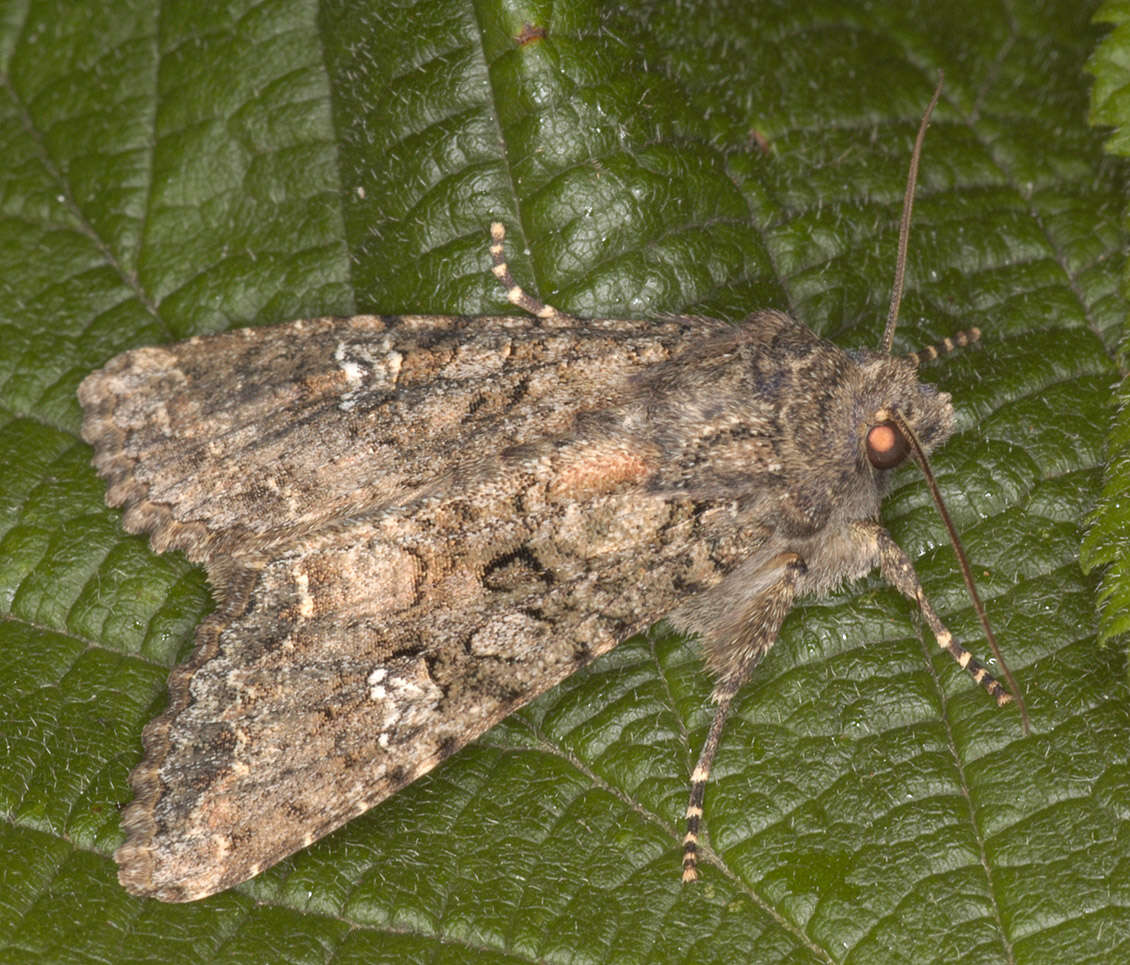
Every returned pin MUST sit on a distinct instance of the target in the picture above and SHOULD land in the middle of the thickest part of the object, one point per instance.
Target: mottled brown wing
(354, 660)
(230, 444)
(407, 540)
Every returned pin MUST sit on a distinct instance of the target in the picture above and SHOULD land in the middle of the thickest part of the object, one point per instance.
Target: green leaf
(1109, 65)
(179, 168)
(1107, 543)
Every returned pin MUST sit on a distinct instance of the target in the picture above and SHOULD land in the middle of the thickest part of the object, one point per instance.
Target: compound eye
(886, 446)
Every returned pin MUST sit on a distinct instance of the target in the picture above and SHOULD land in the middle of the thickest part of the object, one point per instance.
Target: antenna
(904, 225)
(963, 563)
(904, 428)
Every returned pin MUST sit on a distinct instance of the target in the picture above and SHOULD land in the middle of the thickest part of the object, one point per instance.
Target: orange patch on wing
(598, 468)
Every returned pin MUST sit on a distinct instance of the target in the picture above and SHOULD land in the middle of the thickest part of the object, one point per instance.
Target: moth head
(889, 385)
(889, 438)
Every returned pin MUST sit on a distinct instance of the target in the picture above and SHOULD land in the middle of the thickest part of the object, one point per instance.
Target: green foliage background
(173, 168)
(1107, 543)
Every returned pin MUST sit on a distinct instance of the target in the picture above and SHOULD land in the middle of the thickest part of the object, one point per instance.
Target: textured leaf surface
(172, 169)
(1107, 543)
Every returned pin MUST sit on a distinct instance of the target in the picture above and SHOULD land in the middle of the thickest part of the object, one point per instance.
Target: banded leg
(760, 625)
(699, 777)
(897, 570)
(515, 294)
(945, 346)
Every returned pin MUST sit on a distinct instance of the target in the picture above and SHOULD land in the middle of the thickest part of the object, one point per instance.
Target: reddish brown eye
(886, 446)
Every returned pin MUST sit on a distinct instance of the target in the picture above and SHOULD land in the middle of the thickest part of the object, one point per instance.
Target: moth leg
(897, 570)
(515, 294)
(945, 346)
(760, 624)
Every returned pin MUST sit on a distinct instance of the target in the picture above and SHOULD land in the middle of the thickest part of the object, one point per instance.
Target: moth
(415, 524)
